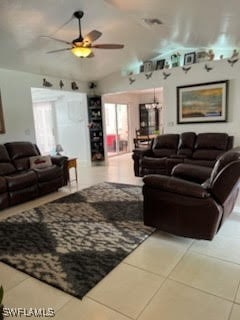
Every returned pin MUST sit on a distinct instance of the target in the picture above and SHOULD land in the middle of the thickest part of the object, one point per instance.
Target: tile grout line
(13, 287)
(201, 290)
(110, 308)
(236, 293)
(230, 313)
(220, 259)
(149, 301)
(166, 278)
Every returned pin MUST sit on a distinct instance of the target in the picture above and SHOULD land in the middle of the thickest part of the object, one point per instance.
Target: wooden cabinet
(95, 128)
(148, 119)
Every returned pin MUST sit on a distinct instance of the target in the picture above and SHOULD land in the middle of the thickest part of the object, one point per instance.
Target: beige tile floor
(166, 278)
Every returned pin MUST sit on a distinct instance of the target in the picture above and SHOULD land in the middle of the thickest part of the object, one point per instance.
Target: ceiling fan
(82, 46)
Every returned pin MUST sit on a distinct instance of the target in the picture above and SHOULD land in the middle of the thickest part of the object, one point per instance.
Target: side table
(72, 163)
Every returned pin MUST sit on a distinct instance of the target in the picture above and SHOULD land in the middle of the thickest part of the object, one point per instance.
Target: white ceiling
(186, 23)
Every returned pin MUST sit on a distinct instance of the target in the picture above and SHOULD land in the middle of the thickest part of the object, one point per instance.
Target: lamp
(154, 105)
(81, 52)
(59, 149)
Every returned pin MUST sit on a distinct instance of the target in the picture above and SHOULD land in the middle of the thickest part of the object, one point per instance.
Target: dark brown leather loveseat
(191, 209)
(18, 182)
(168, 150)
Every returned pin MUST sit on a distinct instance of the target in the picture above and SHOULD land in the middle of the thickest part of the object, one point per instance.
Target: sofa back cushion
(209, 146)
(186, 146)
(20, 152)
(6, 167)
(165, 145)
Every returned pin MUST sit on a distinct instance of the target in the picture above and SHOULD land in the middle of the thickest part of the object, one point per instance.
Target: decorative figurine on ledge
(211, 55)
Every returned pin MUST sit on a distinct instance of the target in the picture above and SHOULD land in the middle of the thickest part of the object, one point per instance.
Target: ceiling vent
(153, 21)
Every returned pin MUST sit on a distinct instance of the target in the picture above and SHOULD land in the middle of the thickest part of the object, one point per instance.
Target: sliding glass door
(116, 117)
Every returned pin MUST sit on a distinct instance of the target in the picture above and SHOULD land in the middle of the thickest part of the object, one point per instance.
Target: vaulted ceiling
(186, 23)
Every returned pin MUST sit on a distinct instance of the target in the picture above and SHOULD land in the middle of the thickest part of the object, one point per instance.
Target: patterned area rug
(73, 242)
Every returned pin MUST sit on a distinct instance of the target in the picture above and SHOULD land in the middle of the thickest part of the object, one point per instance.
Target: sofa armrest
(140, 153)
(59, 160)
(175, 185)
(191, 172)
(62, 162)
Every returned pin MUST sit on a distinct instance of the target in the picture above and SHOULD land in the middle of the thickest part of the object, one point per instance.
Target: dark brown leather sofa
(19, 183)
(190, 209)
(168, 150)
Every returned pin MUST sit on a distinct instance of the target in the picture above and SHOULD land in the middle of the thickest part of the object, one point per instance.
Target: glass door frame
(116, 129)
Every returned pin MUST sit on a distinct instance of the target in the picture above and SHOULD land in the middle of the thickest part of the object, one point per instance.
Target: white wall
(222, 70)
(17, 102)
(71, 124)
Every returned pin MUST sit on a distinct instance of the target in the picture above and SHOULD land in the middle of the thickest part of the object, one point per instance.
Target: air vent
(153, 21)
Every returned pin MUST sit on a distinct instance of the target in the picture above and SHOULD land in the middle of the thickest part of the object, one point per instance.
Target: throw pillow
(38, 162)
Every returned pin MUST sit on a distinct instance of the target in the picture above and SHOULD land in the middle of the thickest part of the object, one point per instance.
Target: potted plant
(1, 305)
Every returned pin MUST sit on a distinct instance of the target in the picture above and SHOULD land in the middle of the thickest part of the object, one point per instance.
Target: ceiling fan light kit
(82, 46)
(81, 52)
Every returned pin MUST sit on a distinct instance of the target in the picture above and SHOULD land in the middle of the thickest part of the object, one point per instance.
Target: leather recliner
(18, 182)
(190, 209)
(168, 150)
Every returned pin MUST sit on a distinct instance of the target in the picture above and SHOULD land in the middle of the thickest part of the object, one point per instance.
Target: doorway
(116, 118)
(61, 117)
(44, 126)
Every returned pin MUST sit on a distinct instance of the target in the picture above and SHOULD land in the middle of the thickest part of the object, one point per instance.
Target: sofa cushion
(6, 168)
(160, 153)
(4, 157)
(49, 173)
(218, 141)
(191, 172)
(206, 154)
(165, 145)
(206, 163)
(166, 141)
(150, 162)
(21, 180)
(3, 185)
(40, 162)
(187, 140)
(20, 152)
(21, 149)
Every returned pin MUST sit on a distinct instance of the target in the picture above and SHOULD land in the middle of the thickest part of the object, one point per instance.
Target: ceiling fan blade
(92, 36)
(91, 55)
(59, 50)
(59, 40)
(108, 46)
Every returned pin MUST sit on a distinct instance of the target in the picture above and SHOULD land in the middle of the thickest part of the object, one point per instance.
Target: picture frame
(201, 56)
(2, 124)
(175, 60)
(141, 68)
(203, 102)
(189, 58)
(160, 64)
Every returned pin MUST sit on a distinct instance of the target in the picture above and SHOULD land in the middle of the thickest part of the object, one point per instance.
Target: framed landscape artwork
(202, 103)
(2, 126)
